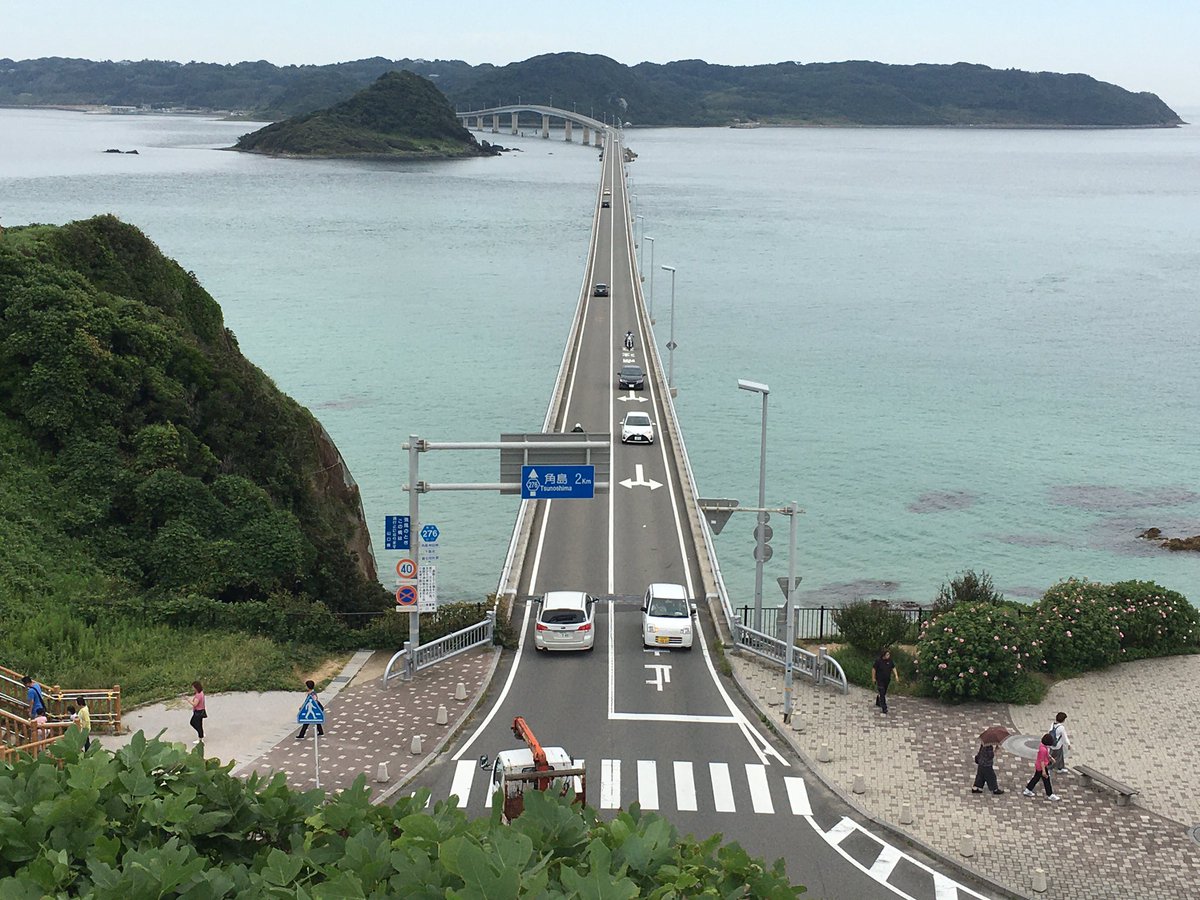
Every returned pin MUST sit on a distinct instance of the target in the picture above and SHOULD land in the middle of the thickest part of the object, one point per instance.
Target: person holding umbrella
(985, 759)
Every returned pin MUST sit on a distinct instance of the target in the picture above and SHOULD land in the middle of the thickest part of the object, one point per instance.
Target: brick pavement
(367, 725)
(922, 754)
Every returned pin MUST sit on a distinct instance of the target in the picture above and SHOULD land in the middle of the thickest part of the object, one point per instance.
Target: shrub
(857, 665)
(1076, 622)
(1153, 621)
(869, 626)
(967, 588)
(978, 651)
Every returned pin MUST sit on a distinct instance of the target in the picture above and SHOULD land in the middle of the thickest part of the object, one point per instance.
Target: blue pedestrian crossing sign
(310, 713)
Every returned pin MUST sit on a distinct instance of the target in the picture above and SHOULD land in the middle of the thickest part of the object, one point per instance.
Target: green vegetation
(154, 821)
(166, 513)
(400, 116)
(870, 627)
(687, 92)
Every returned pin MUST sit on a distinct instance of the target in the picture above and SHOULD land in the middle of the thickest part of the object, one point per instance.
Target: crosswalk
(678, 786)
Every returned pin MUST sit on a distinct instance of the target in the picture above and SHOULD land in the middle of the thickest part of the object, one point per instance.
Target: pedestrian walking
(985, 770)
(1062, 741)
(199, 713)
(33, 693)
(1041, 769)
(312, 692)
(85, 723)
(882, 673)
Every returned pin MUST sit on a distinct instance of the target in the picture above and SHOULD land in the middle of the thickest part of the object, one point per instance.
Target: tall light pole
(638, 225)
(760, 533)
(671, 341)
(651, 240)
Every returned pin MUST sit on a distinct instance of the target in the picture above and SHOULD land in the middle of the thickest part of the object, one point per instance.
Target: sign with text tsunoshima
(551, 482)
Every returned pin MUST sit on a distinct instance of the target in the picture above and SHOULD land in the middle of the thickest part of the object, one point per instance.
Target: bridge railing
(820, 667)
(407, 662)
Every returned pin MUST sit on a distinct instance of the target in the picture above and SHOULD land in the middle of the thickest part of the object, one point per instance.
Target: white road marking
(660, 675)
(464, 772)
(881, 869)
(798, 796)
(840, 831)
(674, 717)
(640, 480)
(760, 791)
(722, 787)
(647, 777)
(610, 784)
(632, 396)
(685, 787)
(945, 889)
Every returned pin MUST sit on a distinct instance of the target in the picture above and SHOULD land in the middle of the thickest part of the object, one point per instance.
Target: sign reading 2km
(553, 482)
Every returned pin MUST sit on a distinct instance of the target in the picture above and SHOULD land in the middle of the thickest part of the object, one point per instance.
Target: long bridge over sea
(593, 129)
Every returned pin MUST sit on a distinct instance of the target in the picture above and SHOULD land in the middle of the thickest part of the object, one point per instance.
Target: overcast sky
(1142, 45)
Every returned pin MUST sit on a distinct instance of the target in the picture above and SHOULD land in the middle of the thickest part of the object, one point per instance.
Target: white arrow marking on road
(632, 396)
(662, 675)
(641, 481)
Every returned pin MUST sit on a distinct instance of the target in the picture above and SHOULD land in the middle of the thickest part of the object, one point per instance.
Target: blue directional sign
(558, 482)
(310, 713)
(430, 534)
(397, 533)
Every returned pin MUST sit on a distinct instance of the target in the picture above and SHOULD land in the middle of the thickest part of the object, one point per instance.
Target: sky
(1142, 45)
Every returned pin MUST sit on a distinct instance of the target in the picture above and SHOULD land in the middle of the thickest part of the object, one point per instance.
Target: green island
(681, 93)
(400, 116)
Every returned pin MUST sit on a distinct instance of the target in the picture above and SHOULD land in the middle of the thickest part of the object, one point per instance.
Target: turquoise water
(980, 344)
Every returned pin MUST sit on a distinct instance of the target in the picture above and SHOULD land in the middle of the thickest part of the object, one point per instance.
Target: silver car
(565, 621)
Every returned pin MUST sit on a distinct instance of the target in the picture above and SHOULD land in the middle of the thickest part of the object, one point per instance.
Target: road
(659, 727)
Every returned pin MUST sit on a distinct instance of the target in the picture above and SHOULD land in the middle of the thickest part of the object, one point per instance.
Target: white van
(667, 617)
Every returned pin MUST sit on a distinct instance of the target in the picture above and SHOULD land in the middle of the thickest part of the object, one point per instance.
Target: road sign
(427, 588)
(406, 596)
(768, 532)
(783, 585)
(310, 713)
(671, 345)
(406, 569)
(767, 552)
(558, 482)
(396, 534)
(717, 511)
(536, 449)
(430, 533)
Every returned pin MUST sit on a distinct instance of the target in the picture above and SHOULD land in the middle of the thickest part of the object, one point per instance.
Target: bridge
(594, 130)
(654, 725)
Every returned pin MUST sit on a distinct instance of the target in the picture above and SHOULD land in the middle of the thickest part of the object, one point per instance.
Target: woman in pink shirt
(1041, 769)
(198, 713)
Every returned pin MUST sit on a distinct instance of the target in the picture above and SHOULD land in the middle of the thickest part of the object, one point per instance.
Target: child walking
(1041, 769)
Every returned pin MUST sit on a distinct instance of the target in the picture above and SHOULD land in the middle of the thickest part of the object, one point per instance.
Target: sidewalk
(922, 752)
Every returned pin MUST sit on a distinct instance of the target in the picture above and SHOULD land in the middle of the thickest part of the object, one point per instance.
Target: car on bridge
(604, 204)
(636, 428)
(667, 617)
(631, 377)
(565, 621)
(600, 290)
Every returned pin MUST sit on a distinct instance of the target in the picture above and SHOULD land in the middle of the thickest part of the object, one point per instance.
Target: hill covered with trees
(686, 92)
(401, 115)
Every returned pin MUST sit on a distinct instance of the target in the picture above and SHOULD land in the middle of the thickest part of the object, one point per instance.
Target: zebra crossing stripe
(881, 869)
(647, 775)
(722, 787)
(685, 787)
(797, 796)
(945, 889)
(760, 791)
(464, 773)
(840, 831)
(610, 783)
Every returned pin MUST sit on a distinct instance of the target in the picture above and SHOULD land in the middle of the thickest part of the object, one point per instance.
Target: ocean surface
(981, 345)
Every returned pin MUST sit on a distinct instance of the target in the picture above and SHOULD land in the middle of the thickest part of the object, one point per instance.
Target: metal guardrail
(820, 667)
(407, 662)
(816, 623)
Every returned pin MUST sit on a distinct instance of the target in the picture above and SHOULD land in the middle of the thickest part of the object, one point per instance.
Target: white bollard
(966, 846)
(416, 745)
(860, 785)
(906, 814)
(797, 722)
(460, 692)
(381, 773)
(824, 754)
(443, 717)
(1039, 881)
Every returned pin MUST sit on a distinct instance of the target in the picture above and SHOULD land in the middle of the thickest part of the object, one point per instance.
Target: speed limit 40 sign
(406, 568)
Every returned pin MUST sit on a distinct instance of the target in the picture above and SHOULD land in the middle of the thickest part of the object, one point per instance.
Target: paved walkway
(922, 752)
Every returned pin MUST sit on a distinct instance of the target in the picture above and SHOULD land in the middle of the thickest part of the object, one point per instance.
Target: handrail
(103, 703)
(387, 673)
(445, 647)
(820, 667)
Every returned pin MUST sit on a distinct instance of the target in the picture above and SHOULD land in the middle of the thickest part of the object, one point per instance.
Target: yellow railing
(19, 733)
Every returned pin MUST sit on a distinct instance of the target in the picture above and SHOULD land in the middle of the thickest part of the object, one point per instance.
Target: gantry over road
(659, 727)
(593, 129)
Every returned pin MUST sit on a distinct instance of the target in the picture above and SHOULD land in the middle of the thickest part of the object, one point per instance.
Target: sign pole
(414, 615)
(316, 757)
(789, 609)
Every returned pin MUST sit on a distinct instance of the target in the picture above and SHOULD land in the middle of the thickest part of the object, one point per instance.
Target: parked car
(600, 290)
(667, 617)
(631, 377)
(565, 621)
(636, 428)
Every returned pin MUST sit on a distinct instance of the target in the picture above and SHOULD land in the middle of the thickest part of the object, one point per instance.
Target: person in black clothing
(882, 674)
(985, 770)
(312, 692)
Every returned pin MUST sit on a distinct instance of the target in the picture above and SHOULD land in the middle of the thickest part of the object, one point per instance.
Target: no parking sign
(406, 596)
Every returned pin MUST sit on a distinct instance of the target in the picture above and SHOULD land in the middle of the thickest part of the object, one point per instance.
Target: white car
(667, 617)
(565, 621)
(636, 428)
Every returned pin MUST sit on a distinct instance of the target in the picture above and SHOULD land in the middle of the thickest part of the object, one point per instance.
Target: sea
(980, 344)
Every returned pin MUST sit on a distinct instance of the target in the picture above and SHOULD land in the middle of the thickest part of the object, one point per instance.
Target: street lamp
(671, 341)
(651, 240)
(760, 532)
(637, 238)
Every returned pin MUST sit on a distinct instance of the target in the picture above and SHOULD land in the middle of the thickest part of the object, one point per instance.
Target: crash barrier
(820, 667)
(816, 623)
(407, 662)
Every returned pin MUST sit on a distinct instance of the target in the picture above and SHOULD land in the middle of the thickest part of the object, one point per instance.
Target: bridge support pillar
(495, 123)
(567, 130)
(587, 136)
(479, 123)
(514, 123)
(545, 126)
(599, 138)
